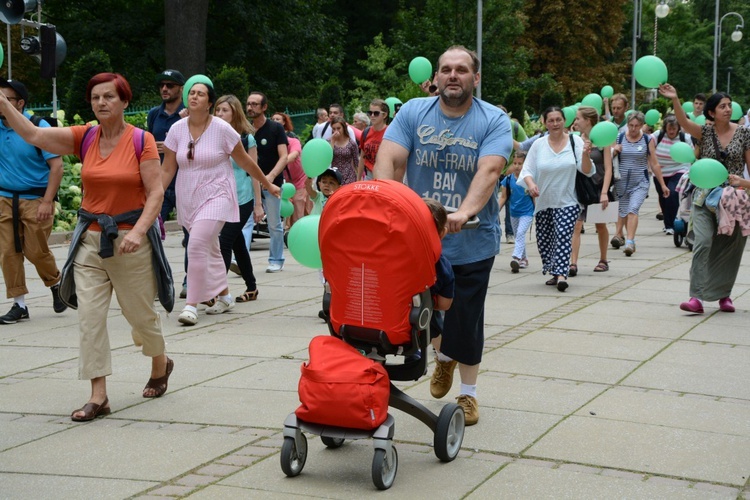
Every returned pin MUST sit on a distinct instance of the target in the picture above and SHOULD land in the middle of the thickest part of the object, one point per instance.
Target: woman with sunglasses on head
(372, 136)
(116, 243)
(345, 150)
(206, 192)
(716, 257)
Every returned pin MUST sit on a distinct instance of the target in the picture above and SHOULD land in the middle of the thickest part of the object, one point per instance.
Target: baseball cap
(18, 87)
(171, 75)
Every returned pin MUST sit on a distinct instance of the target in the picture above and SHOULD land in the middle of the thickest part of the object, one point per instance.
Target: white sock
(20, 300)
(469, 390)
(192, 309)
(227, 299)
(442, 357)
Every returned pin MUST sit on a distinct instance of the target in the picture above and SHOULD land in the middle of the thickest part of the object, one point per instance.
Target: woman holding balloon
(716, 258)
(674, 153)
(229, 108)
(637, 152)
(207, 192)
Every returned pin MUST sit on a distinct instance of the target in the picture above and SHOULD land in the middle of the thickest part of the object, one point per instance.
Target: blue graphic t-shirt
(443, 158)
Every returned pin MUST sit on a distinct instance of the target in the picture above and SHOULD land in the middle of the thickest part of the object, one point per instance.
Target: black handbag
(587, 192)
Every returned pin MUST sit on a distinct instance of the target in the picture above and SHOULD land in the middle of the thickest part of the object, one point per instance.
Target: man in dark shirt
(272, 158)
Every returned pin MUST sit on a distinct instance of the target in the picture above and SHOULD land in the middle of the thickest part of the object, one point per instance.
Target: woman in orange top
(116, 179)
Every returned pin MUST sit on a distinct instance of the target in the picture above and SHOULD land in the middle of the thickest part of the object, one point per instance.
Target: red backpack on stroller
(379, 246)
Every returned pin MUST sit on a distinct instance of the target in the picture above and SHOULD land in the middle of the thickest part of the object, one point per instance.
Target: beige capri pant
(132, 278)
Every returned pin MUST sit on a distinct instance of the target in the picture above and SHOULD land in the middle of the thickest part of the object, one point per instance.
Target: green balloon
(700, 119)
(288, 190)
(603, 134)
(708, 173)
(316, 156)
(303, 241)
(391, 102)
(420, 70)
(607, 91)
(593, 100)
(286, 209)
(192, 81)
(736, 111)
(691, 116)
(2, 55)
(652, 116)
(650, 71)
(688, 107)
(569, 113)
(681, 152)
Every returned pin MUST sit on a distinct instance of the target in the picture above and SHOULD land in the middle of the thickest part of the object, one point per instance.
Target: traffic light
(49, 48)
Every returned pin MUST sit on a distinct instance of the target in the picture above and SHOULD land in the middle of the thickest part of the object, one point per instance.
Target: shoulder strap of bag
(573, 147)
(139, 138)
(364, 137)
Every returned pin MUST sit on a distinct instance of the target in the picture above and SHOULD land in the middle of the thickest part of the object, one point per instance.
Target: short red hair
(121, 84)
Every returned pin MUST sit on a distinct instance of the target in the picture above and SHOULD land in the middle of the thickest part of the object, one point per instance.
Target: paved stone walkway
(605, 391)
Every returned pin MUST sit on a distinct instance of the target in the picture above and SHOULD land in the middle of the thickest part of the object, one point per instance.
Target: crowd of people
(220, 168)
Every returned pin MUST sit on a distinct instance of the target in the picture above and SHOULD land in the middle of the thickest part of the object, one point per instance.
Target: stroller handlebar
(472, 223)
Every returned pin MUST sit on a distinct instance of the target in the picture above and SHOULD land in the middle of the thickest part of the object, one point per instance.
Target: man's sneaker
(523, 263)
(629, 248)
(617, 242)
(57, 304)
(442, 378)
(471, 408)
(669, 231)
(274, 268)
(15, 314)
(660, 216)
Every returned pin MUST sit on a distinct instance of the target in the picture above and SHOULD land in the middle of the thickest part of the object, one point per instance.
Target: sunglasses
(191, 145)
(169, 85)
(374, 113)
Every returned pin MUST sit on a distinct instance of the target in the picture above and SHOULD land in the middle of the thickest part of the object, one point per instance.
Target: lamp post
(661, 11)
(729, 74)
(479, 44)
(736, 37)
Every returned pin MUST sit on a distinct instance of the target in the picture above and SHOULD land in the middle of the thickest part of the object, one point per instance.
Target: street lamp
(736, 37)
(661, 11)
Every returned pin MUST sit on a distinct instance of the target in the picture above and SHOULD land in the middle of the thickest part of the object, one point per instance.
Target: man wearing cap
(29, 180)
(160, 118)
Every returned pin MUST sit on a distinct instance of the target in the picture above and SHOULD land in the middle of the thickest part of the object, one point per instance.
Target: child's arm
(503, 196)
(311, 192)
(737, 181)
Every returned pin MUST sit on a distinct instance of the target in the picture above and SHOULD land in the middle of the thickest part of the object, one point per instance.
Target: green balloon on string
(688, 107)
(652, 116)
(736, 111)
(420, 70)
(2, 55)
(316, 156)
(650, 71)
(391, 102)
(707, 173)
(288, 190)
(700, 119)
(603, 134)
(681, 152)
(569, 113)
(286, 209)
(303, 241)
(593, 100)
(607, 91)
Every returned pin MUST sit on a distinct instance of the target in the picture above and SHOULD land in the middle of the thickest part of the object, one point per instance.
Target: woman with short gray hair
(637, 152)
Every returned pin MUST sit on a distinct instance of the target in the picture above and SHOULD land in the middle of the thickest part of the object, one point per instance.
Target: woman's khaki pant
(132, 278)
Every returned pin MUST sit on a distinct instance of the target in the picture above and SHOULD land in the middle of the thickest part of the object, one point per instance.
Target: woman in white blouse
(549, 174)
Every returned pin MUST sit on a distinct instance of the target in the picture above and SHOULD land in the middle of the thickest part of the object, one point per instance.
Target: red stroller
(379, 247)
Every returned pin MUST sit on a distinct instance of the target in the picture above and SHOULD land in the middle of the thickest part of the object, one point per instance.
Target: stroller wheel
(678, 238)
(384, 467)
(332, 443)
(449, 433)
(292, 457)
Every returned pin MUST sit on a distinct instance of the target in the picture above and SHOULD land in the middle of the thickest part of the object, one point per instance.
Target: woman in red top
(115, 181)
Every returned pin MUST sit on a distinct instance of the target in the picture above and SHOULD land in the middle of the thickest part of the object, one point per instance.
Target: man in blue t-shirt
(453, 148)
(29, 180)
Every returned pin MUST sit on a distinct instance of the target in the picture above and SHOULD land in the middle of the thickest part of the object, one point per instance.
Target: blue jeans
(275, 228)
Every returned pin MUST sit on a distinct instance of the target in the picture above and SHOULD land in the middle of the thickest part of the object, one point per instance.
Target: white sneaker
(669, 231)
(187, 317)
(274, 268)
(220, 307)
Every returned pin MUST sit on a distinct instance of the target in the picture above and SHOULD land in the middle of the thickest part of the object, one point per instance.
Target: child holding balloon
(328, 182)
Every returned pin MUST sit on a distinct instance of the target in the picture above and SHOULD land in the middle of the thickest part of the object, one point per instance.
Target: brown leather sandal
(159, 384)
(552, 281)
(247, 296)
(601, 267)
(91, 411)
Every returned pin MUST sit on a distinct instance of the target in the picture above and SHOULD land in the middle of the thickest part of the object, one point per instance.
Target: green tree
(75, 103)
(232, 80)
